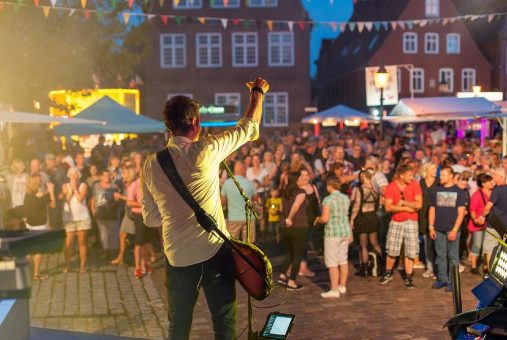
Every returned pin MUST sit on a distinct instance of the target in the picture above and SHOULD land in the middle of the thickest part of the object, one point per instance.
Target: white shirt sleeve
(151, 215)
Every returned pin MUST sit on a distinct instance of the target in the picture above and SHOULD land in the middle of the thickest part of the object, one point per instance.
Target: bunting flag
(53, 3)
(401, 24)
(445, 21)
(393, 25)
(235, 22)
(360, 26)
(46, 10)
(164, 18)
(246, 23)
(126, 17)
(491, 17)
(130, 3)
(343, 26)
(423, 23)
(224, 23)
(177, 20)
(72, 11)
(176, 3)
(226, 3)
(352, 26)
(334, 26)
(83, 3)
(202, 20)
(301, 25)
(290, 25)
(385, 24)
(86, 14)
(36, 3)
(269, 23)
(377, 26)
(368, 25)
(151, 16)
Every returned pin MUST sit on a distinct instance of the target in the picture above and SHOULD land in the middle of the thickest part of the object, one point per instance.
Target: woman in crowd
(94, 176)
(35, 206)
(477, 202)
(269, 165)
(76, 218)
(16, 183)
(427, 183)
(293, 231)
(127, 226)
(104, 207)
(364, 219)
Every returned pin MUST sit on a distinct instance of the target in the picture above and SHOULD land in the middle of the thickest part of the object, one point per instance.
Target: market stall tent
(117, 118)
(35, 118)
(336, 114)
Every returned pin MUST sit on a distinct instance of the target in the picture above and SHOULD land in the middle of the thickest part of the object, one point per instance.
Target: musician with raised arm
(196, 258)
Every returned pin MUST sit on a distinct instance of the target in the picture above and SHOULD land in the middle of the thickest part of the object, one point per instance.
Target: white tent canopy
(35, 118)
(336, 114)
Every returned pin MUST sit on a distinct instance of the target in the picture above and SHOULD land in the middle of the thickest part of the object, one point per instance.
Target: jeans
(446, 251)
(429, 250)
(295, 241)
(216, 277)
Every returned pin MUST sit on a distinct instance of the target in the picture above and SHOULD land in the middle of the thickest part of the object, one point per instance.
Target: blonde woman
(428, 181)
(35, 206)
(76, 218)
(16, 183)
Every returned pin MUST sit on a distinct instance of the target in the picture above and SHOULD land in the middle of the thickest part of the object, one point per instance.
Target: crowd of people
(417, 204)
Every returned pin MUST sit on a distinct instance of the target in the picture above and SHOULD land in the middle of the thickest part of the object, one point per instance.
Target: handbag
(252, 268)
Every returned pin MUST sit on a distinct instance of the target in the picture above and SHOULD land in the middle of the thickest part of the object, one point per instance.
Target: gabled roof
(352, 50)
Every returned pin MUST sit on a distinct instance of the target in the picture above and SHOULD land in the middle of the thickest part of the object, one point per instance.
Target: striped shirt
(338, 224)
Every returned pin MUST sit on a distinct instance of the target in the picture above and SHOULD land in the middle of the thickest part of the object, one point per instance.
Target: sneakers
(296, 287)
(408, 283)
(331, 294)
(461, 268)
(342, 289)
(439, 285)
(448, 288)
(138, 273)
(386, 278)
(427, 274)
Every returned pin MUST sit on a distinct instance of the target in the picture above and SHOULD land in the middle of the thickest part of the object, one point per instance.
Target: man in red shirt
(403, 199)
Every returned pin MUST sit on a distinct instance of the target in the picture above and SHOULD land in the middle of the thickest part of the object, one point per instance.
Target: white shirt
(185, 241)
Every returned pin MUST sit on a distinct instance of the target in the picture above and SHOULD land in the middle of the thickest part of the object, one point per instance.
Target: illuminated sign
(217, 110)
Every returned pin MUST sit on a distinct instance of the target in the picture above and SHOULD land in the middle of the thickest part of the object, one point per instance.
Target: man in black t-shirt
(497, 206)
(447, 210)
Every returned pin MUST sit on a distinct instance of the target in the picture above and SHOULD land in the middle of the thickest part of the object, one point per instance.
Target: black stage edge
(37, 333)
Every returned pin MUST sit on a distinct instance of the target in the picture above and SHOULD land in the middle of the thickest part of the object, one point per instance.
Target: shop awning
(336, 114)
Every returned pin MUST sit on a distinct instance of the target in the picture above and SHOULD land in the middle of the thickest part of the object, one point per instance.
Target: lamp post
(381, 79)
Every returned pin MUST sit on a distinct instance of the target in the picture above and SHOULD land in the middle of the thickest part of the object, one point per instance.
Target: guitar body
(256, 286)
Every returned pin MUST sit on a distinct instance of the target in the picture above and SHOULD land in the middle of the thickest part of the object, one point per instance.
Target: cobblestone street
(110, 300)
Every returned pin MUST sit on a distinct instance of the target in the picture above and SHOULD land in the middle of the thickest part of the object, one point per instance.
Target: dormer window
(432, 8)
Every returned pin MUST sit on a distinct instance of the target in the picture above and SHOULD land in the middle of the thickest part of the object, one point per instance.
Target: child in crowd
(274, 208)
(337, 237)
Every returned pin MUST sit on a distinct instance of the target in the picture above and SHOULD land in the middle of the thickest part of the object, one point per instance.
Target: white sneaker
(428, 273)
(342, 289)
(461, 268)
(332, 294)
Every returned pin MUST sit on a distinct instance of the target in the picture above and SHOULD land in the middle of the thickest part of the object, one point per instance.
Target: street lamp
(381, 79)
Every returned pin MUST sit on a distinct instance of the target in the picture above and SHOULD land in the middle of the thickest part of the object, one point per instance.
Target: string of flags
(352, 26)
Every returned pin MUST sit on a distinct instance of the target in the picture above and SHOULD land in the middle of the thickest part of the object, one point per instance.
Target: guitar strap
(205, 220)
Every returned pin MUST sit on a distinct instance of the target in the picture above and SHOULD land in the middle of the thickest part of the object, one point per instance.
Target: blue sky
(322, 10)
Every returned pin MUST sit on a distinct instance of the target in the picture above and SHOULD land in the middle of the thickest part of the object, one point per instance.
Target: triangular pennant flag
(202, 20)
(226, 3)
(445, 21)
(290, 24)
(46, 10)
(301, 25)
(126, 17)
(177, 20)
(72, 11)
(491, 17)
(452, 20)
(99, 14)
(130, 3)
(343, 26)
(176, 3)
(393, 25)
(246, 23)
(401, 24)
(164, 19)
(150, 16)
(269, 23)
(161, 3)
(224, 22)
(431, 21)
(385, 24)
(36, 3)
(376, 24)
(423, 23)
(410, 25)
(53, 3)
(368, 25)
(352, 26)
(16, 6)
(114, 3)
(235, 21)
(83, 3)
(87, 14)
(1, 6)
(334, 26)
(474, 17)
(360, 26)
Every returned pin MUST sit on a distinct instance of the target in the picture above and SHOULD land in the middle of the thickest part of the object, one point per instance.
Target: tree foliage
(39, 54)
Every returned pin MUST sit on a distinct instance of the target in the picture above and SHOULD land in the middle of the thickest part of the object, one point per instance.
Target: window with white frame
(432, 8)
(221, 4)
(453, 43)
(280, 48)
(447, 75)
(187, 4)
(418, 80)
(244, 49)
(233, 99)
(173, 50)
(431, 43)
(410, 43)
(172, 95)
(208, 49)
(262, 3)
(276, 109)
(467, 79)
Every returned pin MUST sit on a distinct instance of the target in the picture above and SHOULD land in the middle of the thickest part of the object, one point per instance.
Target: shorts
(143, 234)
(74, 226)
(238, 229)
(477, 242)
(489, 241)
(336, 251)
(407, 233)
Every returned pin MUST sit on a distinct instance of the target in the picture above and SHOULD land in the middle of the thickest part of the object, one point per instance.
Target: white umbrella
(336, 114)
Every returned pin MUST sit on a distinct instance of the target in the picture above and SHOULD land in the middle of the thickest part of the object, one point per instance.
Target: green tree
(39, 54)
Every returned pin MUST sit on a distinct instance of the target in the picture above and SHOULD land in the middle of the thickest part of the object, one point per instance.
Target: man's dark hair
(483, 178)
(403, 168)
(447, 168)
(179, 112)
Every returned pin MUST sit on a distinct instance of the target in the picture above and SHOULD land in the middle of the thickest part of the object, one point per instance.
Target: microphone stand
(249, 210)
